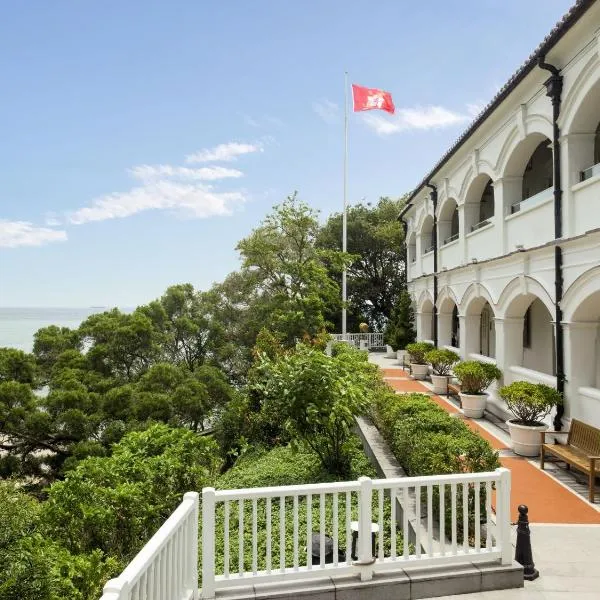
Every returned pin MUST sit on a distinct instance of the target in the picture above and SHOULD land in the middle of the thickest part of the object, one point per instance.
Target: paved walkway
(565, 530)
(549, 500)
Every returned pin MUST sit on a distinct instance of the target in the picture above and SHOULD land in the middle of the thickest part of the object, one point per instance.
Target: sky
(140, 140)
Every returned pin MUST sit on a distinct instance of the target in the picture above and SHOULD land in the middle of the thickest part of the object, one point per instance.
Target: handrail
(480, 225)
(589, 172)
(452, 238)
(531, 200)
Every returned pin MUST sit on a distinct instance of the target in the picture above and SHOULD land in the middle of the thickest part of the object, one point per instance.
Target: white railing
(531, 201)
(167, 566)
(589, 172)
(373, 340)
(262, 535)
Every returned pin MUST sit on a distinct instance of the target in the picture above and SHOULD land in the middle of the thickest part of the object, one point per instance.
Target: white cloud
(327, 110)
(152, 172)
(193, 200)
(24, 233)
(422, 118)
(475, 108)
(223, 152)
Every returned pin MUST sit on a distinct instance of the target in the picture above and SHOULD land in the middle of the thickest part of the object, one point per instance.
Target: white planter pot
(389, 352)
(401, 355)
(419, 371)
(526, 440)
(473, 405)
(440, 384)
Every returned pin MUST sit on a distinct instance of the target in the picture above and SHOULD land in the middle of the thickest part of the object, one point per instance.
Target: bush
(530, 402)
(442, 360)
(319, 397)
(475, 377)
(417, 352)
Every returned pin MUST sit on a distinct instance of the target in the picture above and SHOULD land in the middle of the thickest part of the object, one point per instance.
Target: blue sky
(140, 140)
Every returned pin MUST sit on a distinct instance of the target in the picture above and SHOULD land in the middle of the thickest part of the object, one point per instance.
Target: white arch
(470, 177)
(423, 214)
(578, 92)
(446, 299)
(474, 298)
(425, 300)
(579, 291)
(442, 206)
(518, 294)
(519, 151)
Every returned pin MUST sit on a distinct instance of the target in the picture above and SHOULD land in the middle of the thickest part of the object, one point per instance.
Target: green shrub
(400, 329)
(530, 402)
(417, 352)
(475, 377)
(441, 360)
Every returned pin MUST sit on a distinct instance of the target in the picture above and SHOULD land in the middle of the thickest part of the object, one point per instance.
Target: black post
(523, 554)
(434, 198)
(554, 86)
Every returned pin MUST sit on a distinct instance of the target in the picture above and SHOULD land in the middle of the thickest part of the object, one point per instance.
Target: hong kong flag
(369, 99)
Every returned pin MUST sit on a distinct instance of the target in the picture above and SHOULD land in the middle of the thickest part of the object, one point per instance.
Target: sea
(18, 325)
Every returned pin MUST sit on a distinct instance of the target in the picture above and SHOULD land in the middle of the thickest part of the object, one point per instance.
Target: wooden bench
(582, 450)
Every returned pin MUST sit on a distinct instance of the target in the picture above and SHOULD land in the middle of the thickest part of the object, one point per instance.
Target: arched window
(426, 235)
(448, 223)
(479, 203)
(538, 172)
(486, 204)
(455, 328)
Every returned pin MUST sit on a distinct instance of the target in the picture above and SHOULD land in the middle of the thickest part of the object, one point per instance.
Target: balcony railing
(531, 201)
(452, 238)
(590, 172)
(266, 535)
(428, 249)
(480, 224)
(373, 340)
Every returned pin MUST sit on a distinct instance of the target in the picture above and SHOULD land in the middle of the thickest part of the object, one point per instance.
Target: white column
(462, 232)
(470, 332)
(580, 361)
(509, 344)
(576, 154)
(444, 329)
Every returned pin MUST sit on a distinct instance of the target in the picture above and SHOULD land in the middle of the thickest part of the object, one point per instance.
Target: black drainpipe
(554, 86)
(405, 229)
(434, 198)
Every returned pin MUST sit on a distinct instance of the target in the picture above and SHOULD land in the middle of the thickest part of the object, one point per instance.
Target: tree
(50, 342)
(115, 504)
(16, 365)
(400, 330)
(293, 284)
(319, 397)
(376, 241)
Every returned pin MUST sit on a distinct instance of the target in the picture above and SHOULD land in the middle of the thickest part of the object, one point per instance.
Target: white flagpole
(344, 222)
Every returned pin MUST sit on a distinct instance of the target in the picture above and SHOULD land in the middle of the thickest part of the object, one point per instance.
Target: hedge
(426, 440)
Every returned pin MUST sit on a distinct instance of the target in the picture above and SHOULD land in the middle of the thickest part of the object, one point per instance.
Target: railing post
(192, 551)
(365, 548)
(208, 543)
(115, 589)
(503, 515)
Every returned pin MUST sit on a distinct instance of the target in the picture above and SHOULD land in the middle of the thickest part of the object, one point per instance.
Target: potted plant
(399, 330)
(418, 365)
(441, 361)
(529, 403)
(474, 378)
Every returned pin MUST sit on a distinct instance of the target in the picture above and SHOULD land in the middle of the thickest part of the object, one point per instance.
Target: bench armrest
(543, 434)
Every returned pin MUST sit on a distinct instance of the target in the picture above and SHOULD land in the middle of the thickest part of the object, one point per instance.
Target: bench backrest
(585, 437)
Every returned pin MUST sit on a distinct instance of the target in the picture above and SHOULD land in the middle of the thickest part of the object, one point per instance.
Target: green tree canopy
(375, 278)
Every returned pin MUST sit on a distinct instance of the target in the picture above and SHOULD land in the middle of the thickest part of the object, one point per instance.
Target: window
(486, 206)
(527, 328)
(538, 172)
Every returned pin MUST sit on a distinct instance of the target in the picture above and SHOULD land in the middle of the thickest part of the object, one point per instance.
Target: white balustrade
(374, 340)
(273, 545)
(167, 566)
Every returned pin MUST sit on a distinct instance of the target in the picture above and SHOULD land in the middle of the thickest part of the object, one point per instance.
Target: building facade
(503, 235)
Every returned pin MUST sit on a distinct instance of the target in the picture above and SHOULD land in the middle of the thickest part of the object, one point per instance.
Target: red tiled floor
(547, 499)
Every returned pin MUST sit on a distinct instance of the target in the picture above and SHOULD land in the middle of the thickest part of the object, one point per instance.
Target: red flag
(369, 99)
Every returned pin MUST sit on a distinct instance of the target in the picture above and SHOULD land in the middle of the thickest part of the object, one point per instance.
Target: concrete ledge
(402, 584)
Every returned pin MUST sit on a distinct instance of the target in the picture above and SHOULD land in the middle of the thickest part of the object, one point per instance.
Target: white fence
(261, 535)
(373, 340)
(264, 535)
(167, 566)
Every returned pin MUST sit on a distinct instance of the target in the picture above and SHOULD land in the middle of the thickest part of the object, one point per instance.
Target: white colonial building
(503, 235)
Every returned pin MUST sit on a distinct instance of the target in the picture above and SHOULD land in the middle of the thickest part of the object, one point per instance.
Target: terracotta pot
(440, 383)
(526, 439)
(419, 371)
(473, 405)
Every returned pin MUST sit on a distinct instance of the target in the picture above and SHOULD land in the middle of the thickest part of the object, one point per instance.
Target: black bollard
(523, 554)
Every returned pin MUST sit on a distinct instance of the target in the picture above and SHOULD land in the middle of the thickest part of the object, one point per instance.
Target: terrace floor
(565, 531)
